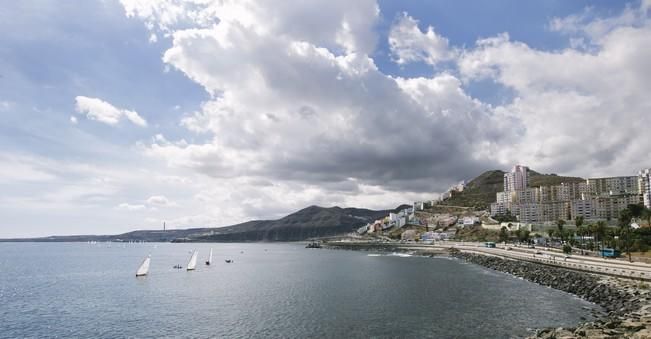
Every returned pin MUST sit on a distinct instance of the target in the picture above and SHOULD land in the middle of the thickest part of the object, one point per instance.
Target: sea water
(269, 291)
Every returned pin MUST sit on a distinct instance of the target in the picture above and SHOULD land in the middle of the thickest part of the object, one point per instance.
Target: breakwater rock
(384, 248)
(628, 311)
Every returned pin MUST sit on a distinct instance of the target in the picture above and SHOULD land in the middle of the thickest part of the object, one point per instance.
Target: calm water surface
(270, 291)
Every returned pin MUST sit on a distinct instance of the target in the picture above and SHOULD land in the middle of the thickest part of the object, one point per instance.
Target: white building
(469, 221)
(517, 179)
(644, 184)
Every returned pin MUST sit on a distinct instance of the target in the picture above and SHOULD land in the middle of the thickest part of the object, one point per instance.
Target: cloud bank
(309, 110)
(268, 107)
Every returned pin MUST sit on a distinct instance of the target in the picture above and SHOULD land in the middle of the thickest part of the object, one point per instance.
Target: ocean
(271, 290)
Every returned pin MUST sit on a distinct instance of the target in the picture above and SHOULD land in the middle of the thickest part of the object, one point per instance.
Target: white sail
(209, 258)
(193, 261)
(144, 267)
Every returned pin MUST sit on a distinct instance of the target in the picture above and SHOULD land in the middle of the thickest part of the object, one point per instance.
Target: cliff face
(310, 222)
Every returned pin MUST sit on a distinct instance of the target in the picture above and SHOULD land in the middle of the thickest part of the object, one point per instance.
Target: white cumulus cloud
(132, 207)
(102, 111)
(582, 112)
(408, 43)
(159, 200)
(299, 113)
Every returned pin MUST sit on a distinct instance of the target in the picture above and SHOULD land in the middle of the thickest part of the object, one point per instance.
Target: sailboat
(209, 258)
(144, 267)
(193, 261)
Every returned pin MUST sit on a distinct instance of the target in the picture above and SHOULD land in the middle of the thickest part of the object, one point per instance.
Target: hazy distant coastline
(308, 223)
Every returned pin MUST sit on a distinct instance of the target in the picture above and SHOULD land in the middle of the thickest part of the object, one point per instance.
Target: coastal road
(598, 265)
(612, 267)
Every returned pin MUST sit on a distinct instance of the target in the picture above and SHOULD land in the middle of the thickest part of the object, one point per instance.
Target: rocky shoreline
(626, 302)
(385, 248)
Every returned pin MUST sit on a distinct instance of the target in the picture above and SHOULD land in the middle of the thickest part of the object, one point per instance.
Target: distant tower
(163, 226)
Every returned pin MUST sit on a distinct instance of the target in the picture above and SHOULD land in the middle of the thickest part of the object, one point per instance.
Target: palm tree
(550, 233)
(646, 214)
(600, 232)
(503, 235)
(635, 210)
(560, 223)
(590, 229)
(578, 221)
(625, 217)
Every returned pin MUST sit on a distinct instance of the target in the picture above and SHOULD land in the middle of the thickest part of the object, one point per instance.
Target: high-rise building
(583, 208)
(517, 179)
(595, 198)
(644, 184)
(613, 186)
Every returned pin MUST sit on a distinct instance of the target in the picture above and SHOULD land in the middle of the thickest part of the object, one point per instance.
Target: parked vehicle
(610, 253)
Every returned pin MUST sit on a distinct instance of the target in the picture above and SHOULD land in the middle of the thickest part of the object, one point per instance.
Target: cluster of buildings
(439, 226)
(397, 220)
(592, 199)
(437, 235)
(454, 188)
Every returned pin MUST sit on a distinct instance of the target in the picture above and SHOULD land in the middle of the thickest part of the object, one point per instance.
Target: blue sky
(252, 115)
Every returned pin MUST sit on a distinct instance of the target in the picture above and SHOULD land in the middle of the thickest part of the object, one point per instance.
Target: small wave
(374, 255)
(403, 255)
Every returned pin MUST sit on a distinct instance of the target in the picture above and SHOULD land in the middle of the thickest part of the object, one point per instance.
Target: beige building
(572, 190)
(595, 198)
(613, 186)
(583, 208)
(517, 179)
(549, 193)
(528, 195)
(553, 211)
(608, 208)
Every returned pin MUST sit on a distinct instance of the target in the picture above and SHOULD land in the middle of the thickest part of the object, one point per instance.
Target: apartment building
(517, 179)
(595, 198)
(585, 208)
(613, 186)
(644, 184)
(572, 190)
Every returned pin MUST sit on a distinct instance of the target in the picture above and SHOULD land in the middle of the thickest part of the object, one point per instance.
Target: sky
(123, 114)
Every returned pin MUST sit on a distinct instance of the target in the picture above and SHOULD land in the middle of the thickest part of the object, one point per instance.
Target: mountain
(480, 191)
(310, 222)
(536, 179)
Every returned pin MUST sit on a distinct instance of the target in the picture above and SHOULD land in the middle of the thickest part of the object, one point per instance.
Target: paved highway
(554, 257)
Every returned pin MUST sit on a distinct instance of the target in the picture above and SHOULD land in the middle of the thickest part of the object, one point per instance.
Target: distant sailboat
(209, 258)
(193, 261)
(144, 267)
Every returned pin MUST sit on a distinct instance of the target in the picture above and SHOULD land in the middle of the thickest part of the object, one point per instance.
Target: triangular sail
(209, 258)
(193, 261)
(144, 267)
